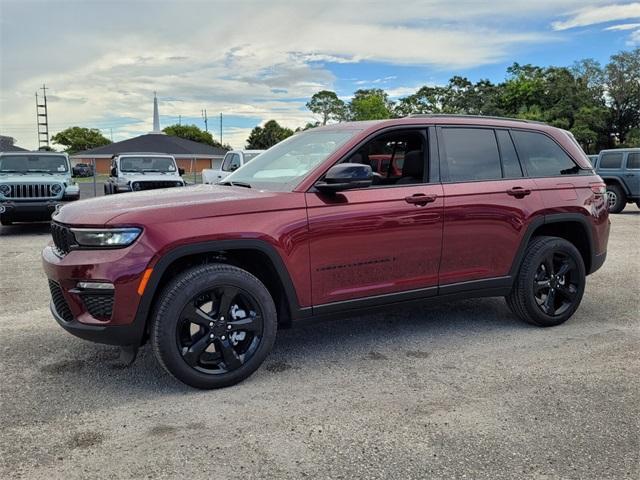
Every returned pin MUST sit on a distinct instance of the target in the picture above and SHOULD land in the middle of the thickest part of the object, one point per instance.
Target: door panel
(483, 227)
(374, 241)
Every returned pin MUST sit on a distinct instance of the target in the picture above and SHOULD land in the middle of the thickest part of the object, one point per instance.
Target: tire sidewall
(173, 300)
(555, 245)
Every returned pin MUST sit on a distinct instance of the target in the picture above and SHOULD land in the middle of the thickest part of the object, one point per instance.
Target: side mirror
(345, 176)
(114, 172)
(180, 171)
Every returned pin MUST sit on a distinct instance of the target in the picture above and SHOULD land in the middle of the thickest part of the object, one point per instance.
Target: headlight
(179, 184)
(56, 188)
(135, 186)
(5, 189)
(110, 237)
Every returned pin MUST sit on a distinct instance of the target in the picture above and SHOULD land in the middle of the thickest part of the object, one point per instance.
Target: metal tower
(43, 119)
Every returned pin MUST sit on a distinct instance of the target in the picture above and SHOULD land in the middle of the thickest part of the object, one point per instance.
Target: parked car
(33, 184)
(593, 159)
(207, 275)
(82, 170)
(620, 169)
(232, 161)
(132, 172)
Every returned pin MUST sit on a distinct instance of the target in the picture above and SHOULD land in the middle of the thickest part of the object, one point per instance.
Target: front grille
(63, 238)
(32, 190)
(155, 184)
(61, 305)
(99, 306)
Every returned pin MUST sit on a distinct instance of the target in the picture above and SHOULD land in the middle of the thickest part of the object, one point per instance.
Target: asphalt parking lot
(460, 390)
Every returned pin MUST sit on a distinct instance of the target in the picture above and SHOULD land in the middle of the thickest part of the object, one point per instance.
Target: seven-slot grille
(61, 305)
(32, 190)
(63, 238)
(152, 185)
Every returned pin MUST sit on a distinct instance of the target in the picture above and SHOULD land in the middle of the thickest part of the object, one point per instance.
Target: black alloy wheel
(213, 325)
(219, 330)
(550, 283)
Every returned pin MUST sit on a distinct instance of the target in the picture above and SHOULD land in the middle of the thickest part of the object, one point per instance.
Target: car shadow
(73, 372)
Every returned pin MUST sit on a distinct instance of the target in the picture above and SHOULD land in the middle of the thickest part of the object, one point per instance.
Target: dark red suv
(454, 207)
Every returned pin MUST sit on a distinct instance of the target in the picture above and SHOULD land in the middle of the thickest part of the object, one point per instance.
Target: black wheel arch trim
(617, 181)
(595, 260)
(159, 269)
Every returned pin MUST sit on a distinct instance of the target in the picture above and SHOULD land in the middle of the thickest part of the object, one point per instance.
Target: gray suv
(33, 184)
(620, 169)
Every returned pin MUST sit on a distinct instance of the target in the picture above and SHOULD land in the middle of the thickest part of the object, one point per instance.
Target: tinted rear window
(541, 156)
(471, 154)
(633, 160)
(611, 160)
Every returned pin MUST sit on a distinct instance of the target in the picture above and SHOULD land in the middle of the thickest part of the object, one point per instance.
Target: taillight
(599, 188)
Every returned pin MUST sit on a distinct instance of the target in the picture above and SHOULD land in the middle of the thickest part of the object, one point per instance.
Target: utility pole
(42, 119)
(179, 119)
(204, 115)
(220, 128)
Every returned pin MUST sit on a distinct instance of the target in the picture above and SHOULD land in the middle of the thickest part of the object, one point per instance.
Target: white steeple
(156, 115)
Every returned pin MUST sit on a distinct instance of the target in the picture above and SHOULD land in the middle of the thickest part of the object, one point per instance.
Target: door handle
(518, 192)
(420, 199)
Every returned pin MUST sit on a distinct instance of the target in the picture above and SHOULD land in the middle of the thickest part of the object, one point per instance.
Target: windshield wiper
(235, 184)
(34, 170)
(14, 171)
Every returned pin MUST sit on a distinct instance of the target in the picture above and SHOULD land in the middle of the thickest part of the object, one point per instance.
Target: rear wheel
(550, 284)
(616, 198)
(214, 326)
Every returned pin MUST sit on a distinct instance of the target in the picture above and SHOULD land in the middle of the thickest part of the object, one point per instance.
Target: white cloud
(624, 26)
(104, 60)
(595, 15)
(634, 39)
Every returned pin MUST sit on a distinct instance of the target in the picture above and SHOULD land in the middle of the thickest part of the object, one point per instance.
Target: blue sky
(256, 60)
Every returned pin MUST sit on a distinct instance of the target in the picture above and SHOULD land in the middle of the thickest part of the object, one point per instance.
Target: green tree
(266, 137)
(194, 133)
(622, 82)
(370, 104)
(77, 139)
(327, 104)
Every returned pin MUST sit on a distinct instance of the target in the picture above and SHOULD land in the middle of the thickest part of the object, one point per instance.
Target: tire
(542, 295)
(6, 223)
(616, 198)
(638, 203)
(106, 190)
(200, 294)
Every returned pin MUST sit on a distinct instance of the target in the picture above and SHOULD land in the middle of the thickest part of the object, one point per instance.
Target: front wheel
(214, 326)
(550, 284)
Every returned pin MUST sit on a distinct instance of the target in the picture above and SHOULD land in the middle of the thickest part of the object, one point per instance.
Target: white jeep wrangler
(133, 172)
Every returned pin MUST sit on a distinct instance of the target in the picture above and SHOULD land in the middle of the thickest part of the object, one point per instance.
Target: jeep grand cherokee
(333, 219)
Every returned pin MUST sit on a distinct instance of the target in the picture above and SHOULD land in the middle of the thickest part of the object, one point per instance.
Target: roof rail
(491, 117)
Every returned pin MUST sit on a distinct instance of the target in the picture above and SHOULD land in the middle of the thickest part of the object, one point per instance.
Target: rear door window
(471, 154)
(633, 161)
(611, 160)
(542, 156)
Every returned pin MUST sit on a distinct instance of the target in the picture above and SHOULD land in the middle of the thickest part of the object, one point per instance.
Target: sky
(255, 60)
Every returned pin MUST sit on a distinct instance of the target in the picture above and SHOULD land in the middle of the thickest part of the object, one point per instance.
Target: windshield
(33, 163)
(147, 164)
(284, 165)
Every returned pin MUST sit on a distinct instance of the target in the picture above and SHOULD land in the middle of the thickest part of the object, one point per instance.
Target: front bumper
(72, 307)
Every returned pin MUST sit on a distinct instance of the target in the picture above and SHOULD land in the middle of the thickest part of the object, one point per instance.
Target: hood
(33, 178)
(174, 204)
(151, 177)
